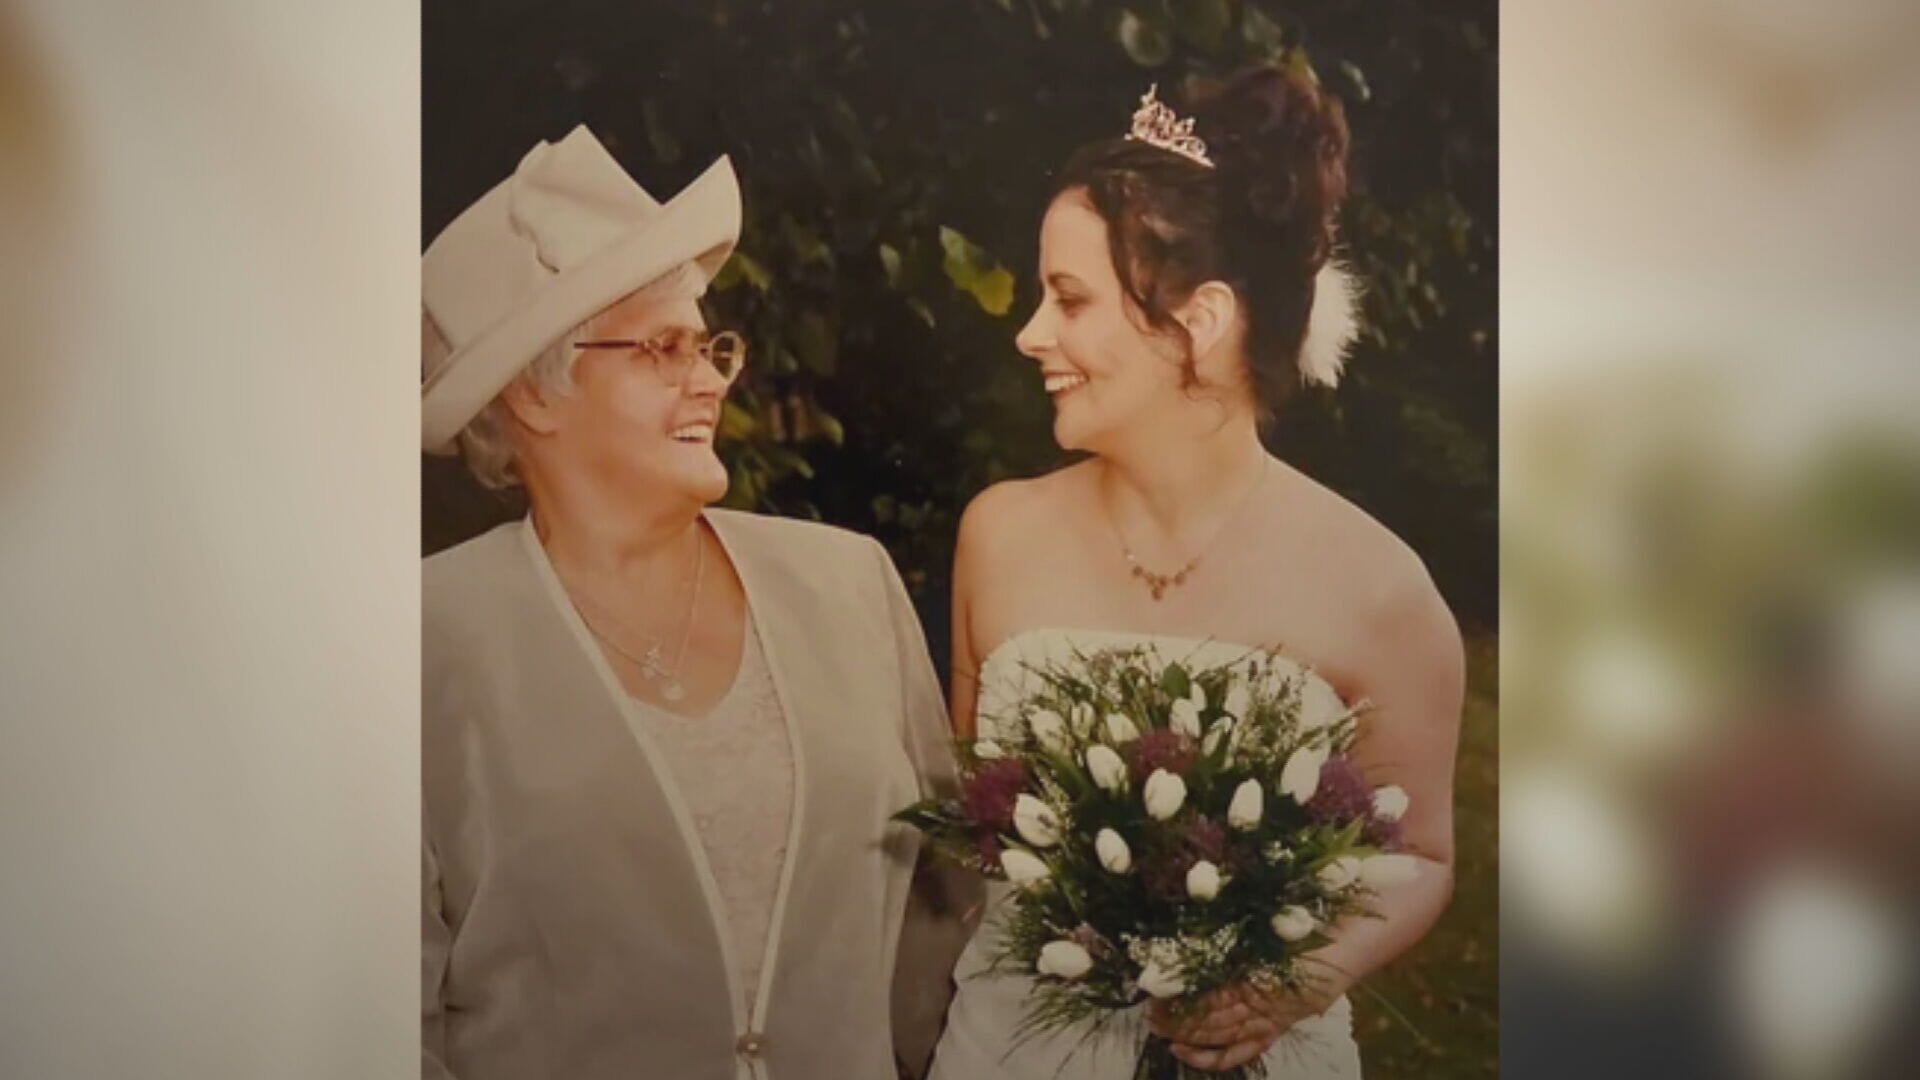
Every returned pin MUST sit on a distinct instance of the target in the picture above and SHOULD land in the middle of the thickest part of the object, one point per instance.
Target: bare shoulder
(1013, 508)
(1386, 585)
(1018, 541)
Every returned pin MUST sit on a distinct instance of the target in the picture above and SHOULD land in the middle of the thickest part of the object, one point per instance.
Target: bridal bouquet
(1169, 830)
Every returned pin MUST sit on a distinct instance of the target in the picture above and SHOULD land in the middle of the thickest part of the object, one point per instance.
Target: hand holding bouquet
(1171, 831)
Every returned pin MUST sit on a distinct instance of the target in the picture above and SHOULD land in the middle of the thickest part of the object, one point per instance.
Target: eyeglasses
(674, 352)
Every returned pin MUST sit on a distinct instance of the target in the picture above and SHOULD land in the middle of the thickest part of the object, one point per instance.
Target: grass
(1447, 987)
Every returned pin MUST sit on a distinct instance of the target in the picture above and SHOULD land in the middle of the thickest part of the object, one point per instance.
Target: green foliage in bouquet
(1170, 829)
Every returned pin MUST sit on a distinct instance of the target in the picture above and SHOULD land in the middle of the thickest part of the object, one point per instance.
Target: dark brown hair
(1262, 220)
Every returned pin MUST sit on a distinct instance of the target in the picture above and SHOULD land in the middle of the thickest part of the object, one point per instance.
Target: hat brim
(700, 225)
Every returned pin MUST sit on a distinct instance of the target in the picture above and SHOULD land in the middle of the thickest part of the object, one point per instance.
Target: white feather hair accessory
(1333, 323)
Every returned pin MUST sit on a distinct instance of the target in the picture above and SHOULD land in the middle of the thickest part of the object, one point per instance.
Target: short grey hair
(484, 443)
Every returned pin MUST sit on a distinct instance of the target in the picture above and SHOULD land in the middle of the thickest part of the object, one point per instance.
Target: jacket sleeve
(928, 735)
(944, 901)
(436, 943)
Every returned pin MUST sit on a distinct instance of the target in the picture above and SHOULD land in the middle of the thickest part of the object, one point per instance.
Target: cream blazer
(571, 928)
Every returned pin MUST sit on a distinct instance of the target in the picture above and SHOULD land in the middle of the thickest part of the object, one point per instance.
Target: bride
(1187, 287)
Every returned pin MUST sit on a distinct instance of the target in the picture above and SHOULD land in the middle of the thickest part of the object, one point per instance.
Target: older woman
(661, 741)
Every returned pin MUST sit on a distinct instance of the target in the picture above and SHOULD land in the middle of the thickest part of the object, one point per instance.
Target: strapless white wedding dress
(979, 1043)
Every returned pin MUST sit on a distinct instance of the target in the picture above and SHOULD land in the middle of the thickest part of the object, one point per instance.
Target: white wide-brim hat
(566, 236)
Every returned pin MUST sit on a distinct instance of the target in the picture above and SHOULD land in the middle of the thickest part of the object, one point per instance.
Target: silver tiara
(1156, 125)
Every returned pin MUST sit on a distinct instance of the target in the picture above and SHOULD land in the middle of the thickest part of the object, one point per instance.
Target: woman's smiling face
(1103, 370)
(627, 424)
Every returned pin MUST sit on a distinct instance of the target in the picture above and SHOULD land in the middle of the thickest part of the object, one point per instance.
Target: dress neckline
(1148, 637)
(1195, 644)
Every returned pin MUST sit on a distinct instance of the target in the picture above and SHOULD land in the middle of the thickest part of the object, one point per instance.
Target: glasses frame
(666, 359)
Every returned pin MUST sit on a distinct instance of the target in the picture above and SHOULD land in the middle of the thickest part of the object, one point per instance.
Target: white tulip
(1108, 770)
(1063, 959)
(1023, 867)
(988, 750)
(1203, 880)
(1390, 803)
(1186, 718)
(1339, 874)
(1319, 705)
(1050, 730)
(1249, 802)
(1386, 871)
(1161, 982)
(1121, 730)
(1300, 777)
(1222, 731)
(1239, 700)
(1294, 923)
(1081, 717)
(1197, 694)
(1114, 853)
(1036, 822)
(1164, 795)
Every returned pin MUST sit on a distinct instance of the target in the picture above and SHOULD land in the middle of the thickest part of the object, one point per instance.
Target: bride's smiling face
(1105, 372)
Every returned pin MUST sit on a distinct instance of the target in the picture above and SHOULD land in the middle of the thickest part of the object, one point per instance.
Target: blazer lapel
(682, 835)
(769, 611)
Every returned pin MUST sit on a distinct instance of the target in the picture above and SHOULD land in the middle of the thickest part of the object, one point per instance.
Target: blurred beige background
(1710, 538)
(208, 540)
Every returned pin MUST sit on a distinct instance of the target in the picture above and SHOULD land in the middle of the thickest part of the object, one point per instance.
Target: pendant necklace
(1157, 583)
(652, 662)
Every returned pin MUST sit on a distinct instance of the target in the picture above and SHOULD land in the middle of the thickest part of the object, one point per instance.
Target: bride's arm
(1418, 685)
(1415, 675)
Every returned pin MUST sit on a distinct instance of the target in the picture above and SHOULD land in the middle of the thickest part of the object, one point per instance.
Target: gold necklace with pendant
(652, 663)
(1157, 583)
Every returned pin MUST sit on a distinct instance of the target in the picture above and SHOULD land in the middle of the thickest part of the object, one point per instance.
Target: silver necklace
(1157, 583)
(652, 662)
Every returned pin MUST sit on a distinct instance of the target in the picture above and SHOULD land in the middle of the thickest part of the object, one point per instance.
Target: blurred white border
(209, 550)
(1710, 510)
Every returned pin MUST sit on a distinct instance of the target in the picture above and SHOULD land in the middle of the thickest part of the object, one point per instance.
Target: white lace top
(734, 768)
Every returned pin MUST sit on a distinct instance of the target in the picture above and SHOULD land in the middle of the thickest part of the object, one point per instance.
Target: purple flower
(1163, 868)
(1206, 839)
(992, 791)
(1384, 834)
(1161, 749)
(1343, 794)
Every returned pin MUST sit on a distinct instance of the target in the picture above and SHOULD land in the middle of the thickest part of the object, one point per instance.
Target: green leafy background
(895, 160)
